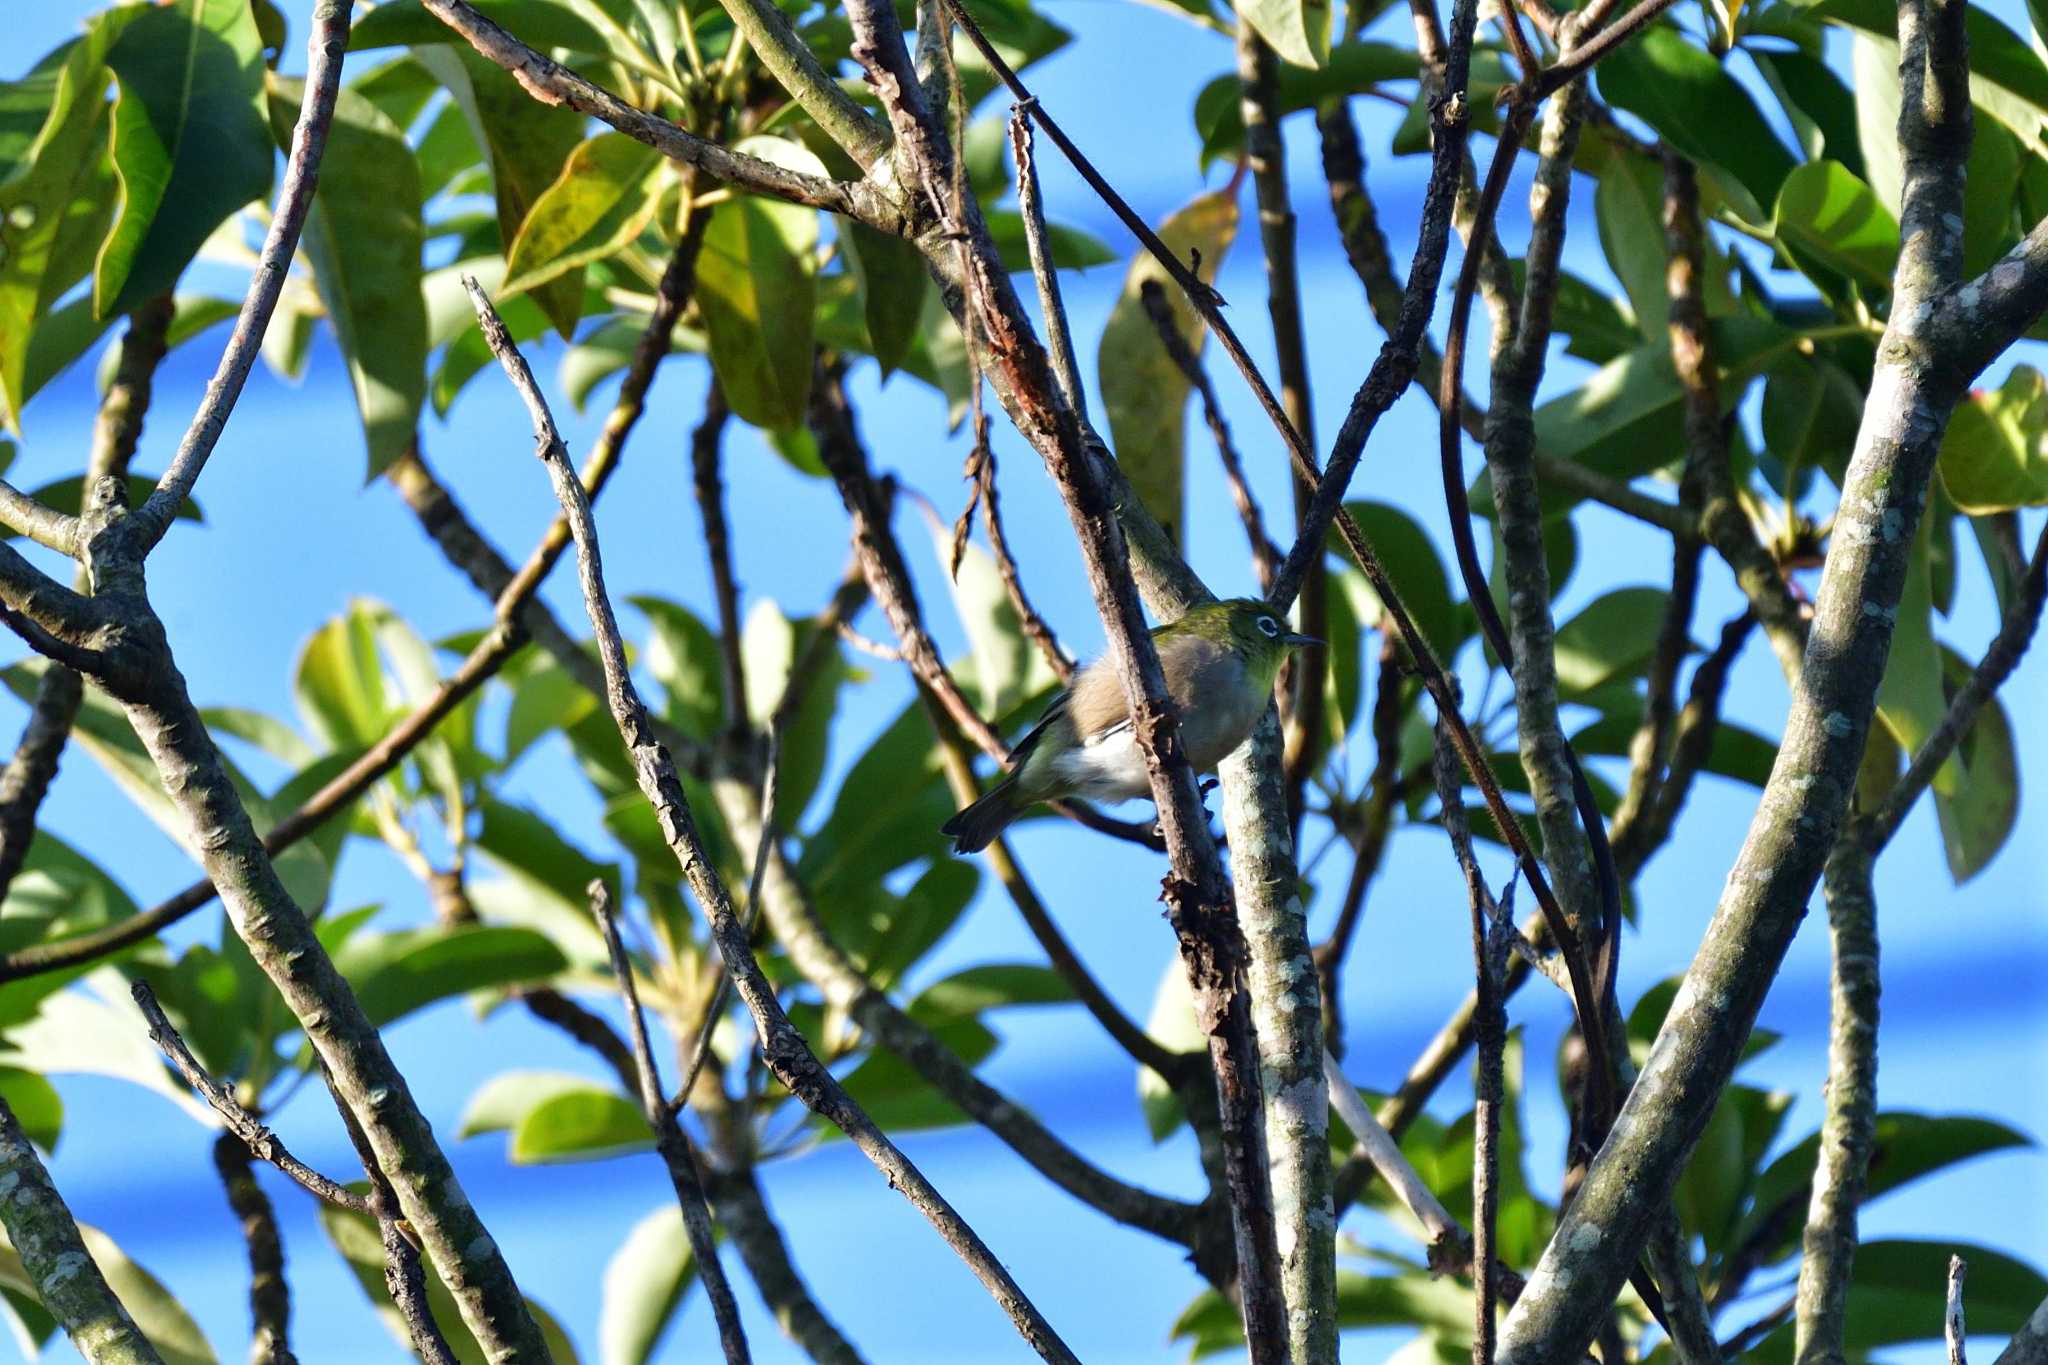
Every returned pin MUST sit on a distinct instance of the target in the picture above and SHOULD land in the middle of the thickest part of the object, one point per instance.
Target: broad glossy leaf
(2008, 79)
(502, 1101)
(525, 144)
(191, 141)
(644, 1284)
(1298, 30)
(757, 290)
(469, 355)
(58, 891)
(1682, 91)
(405, 970)
(893, 284)
(1990, 188)
(1418, 575)
(1826, 214)
(1810, 412)
(1069, 247)
(1820, 106)
(61, 337)
(1628, 207)
(95, 1029)
(1979, 815)
(1898, 1292)
(1612, 638)
(886, 814)
(1908, 1147)
(772, 645)
(886, 935)
(363, 237)
(1909, 699)
(354, 1235)
(683, 655)
(156, 1311)
(996, 985)
(590, 1123)
(1994, 457)
(539, 23)
(1874, 73)
(1352, 68)
(400, 88)
(55, 204)
(1173, 1023)
(1143, 392)
(35, 1104)
(1007, 666)
(605, 197)
(340, 683)
(522, 839)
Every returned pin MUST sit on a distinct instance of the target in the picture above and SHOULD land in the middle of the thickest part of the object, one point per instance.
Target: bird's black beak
(1299, 640)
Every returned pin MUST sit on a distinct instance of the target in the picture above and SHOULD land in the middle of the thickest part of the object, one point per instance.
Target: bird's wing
(1054, 709)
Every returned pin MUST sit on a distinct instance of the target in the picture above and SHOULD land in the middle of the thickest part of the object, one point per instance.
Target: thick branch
(270, 1294)
(67, 1280)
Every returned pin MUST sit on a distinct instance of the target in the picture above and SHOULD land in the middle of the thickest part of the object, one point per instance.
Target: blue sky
(293, 534)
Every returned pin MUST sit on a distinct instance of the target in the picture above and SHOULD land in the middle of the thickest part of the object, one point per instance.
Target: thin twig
(1059, 341)
(1952, 1321)
(783, 1048)
(670, 1139)
(705, 445)
(1265, 554)
(261, 1142)
(270, 1295)
(328, 40)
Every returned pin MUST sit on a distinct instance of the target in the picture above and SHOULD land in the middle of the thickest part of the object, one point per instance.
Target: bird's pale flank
(1220, 662)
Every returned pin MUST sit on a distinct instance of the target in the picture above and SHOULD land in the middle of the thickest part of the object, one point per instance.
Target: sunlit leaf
(1994, 456)
(1979, 815)
(1143, 392)
(606, 195)
(757, 289)
(398, 972)
(644, 1284)
(1909, 699)
(1298, 30)
(585, 1124)
(1678, 88)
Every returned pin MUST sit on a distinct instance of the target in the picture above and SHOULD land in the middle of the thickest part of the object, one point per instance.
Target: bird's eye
(1270, 627)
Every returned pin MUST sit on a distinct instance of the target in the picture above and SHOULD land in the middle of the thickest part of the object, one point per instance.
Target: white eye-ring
(1270, 627)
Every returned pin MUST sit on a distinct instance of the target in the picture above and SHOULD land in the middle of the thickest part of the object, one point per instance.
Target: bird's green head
(1250, 627)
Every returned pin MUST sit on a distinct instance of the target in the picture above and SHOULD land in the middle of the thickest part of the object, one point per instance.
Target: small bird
(1220, 662)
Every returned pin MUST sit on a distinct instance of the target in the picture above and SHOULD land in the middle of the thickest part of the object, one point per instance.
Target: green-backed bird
(1220, 661)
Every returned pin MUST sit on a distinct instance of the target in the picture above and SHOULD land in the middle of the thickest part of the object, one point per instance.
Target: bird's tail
(973, 829)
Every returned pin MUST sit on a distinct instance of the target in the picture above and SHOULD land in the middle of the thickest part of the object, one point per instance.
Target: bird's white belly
(1111, 769)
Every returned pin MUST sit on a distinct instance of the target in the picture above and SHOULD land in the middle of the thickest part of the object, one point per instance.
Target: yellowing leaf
(605, 196)
(1143, 392)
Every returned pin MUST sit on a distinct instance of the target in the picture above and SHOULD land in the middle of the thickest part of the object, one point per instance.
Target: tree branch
(270, 1294)
(405, 1279)
(670, 1140)
(782, 1047)
(67, 1280)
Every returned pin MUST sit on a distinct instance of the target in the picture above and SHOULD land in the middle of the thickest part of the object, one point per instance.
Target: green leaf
(887, 935)
(1352, 69)
(1811, 410)
(399, 972)
(97, 1032)
(469, 355)
(1682, 91)
(1898, 1292)
(538, 23)
(771, 645)
(886, 815)
(364, 239)
(1909, 699)
(996, 985)
(1978, 816)
(1908, 1147)
(191, 143)
(589, 1123)
(339, 683)
(1628, 208)
(1418, 574)
(605, 197)
(1827, 214)
(159, 1315)
(1990, 186)
(1069, 248)
(683, 655)
(1007, 666)
(1298, 30)
(524, 143)
(1143, 392)
(354, 1235)
(893, 284)
(400, 88)
(1172, 1022)
(1874, 74)
(899, 1099)
(1612, 638)
(1994, 457)
(757, 289)
(644, 1284)
(35, 1104)
(61, 337)
(523, 840)
(1819, 105)
(502, 1101)
(54, 208)
(2008, 79)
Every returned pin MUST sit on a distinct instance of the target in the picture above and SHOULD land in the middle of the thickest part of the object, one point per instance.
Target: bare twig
(784, 1049)
(1059, 341)
(329, 39)
(261, 1142)
(705, 445)
(673, 1144)
(1380, 1148)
